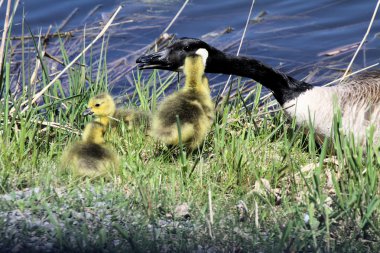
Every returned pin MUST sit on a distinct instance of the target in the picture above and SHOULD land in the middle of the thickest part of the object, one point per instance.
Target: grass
(257, 184)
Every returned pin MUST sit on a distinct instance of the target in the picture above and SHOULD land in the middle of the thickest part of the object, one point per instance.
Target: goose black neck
(284, 87)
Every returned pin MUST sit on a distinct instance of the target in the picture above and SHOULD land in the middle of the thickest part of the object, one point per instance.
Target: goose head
(173, 57)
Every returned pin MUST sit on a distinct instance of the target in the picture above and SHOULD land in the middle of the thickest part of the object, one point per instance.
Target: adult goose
(358, 98)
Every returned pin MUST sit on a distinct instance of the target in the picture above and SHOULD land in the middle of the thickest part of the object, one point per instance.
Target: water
(292, 35)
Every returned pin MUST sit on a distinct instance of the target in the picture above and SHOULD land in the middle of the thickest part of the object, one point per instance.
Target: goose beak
(159, 60)
(87, 112)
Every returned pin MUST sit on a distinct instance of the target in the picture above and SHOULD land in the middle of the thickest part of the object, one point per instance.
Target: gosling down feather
(90, 157)
(192, 104)
(357, 98)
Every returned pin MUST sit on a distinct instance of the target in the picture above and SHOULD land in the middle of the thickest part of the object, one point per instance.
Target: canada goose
(192, 104)
(90, 156)
(358, 98)
(103, 106)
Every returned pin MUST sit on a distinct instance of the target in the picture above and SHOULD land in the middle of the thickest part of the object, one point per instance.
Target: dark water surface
(292, 34)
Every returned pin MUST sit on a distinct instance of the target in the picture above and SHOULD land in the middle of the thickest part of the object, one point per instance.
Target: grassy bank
(259, 183)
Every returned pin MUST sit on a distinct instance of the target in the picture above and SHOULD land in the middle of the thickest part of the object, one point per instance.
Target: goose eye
(187, 48)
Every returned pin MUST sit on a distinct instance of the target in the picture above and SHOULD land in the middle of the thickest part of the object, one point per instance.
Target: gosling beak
(157, 60)
(87, 112)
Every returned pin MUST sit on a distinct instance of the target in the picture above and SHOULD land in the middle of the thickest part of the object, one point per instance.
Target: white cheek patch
(203, 53)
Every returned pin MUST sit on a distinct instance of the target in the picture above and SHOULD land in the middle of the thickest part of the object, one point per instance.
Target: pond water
(293, 35)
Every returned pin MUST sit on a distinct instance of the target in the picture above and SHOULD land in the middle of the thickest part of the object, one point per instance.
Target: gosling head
(195, 63)
(101, 105)
(94, 132)
(173, 57)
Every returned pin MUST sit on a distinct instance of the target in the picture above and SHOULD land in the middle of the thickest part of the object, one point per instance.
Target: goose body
(193, 106)
(358, 101)
(90, 157)
(357, 98)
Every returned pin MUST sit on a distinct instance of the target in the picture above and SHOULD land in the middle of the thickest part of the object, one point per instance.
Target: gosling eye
(97, 105)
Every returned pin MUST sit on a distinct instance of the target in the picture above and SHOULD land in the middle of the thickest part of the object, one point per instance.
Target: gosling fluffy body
(90, 157)
(192, 104)
(133, 118)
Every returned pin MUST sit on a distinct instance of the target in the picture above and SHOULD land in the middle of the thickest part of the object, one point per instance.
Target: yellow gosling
(103, 106)
(133, 118)
(192, 104)
(90, 157)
